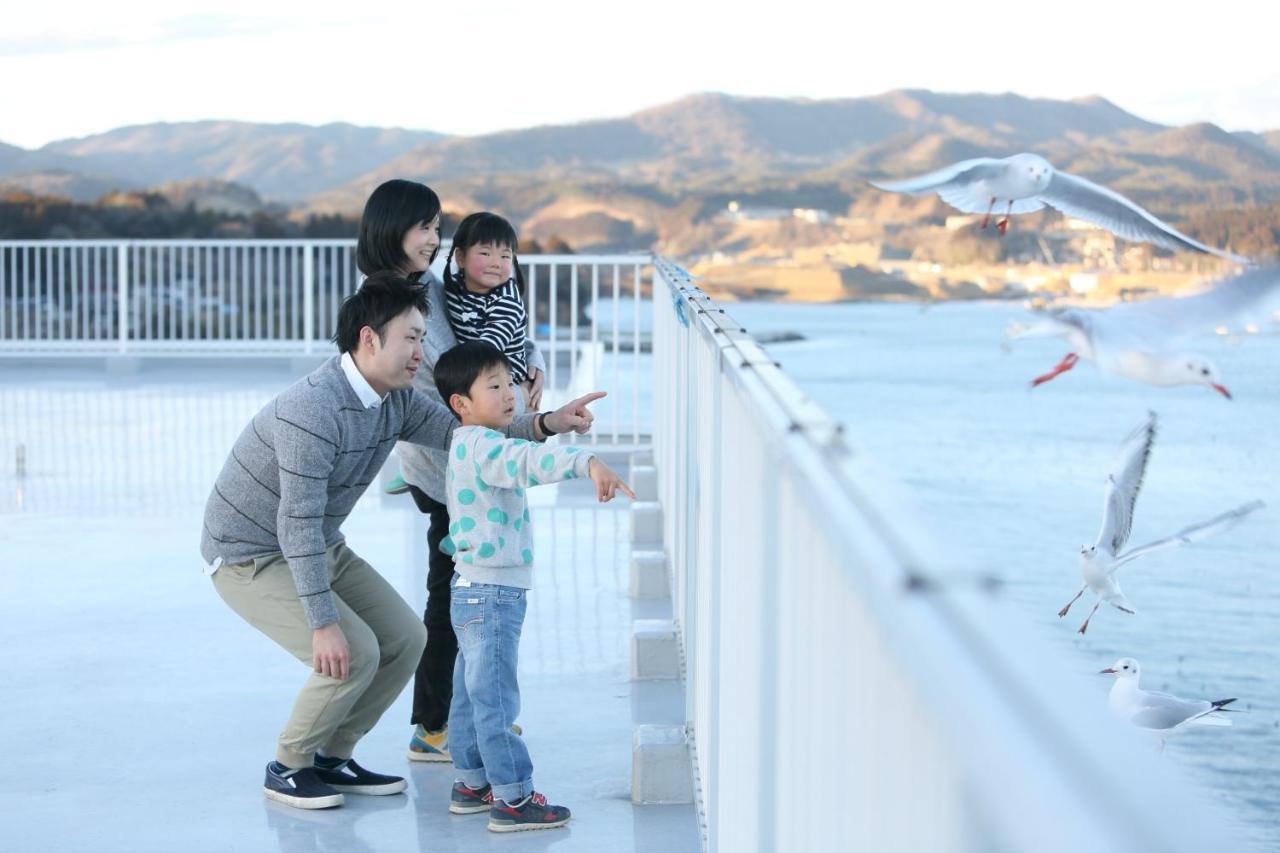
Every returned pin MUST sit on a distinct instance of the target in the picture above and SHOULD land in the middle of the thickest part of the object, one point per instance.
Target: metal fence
(211, 298)
(848, 686)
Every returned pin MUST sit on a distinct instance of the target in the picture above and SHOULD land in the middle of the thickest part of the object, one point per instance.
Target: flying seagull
(1027, 182)
(1143, 340)
(1099, 561)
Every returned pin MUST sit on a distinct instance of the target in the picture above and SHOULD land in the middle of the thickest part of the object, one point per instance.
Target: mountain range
(282, 162)
(630, 182)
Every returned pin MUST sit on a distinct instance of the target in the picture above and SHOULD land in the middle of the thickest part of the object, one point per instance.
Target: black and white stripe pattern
(496, 317)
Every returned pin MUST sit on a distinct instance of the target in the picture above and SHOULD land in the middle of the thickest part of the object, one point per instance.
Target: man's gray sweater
(299, 467)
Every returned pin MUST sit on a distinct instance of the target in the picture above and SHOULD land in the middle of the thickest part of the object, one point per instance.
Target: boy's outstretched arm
(513, 463)
(607, 481)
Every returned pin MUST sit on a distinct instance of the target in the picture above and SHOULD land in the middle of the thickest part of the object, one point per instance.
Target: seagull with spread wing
(1028, 182)
(1099, 561)
(1144, 340)
(1160, 714)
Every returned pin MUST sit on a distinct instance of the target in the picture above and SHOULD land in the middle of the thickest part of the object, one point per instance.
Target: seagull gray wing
(1231, 302)
(1084, 199)
(1123, 484)
(1194, 533)
(964, 172)
(1160, 711)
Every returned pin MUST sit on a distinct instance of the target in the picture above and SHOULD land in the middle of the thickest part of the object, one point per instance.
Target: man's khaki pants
(386, 639)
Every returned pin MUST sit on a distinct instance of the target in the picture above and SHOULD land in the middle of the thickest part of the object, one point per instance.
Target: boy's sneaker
(464, 800)
(530, 813)
(429, 746)
(396, 485)
(343, 774)
(301, 788)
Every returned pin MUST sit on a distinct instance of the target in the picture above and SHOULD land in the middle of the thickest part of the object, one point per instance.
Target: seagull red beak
(1223, 391)
(1107, 671)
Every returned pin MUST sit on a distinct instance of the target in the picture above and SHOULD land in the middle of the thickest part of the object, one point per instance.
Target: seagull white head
(1198, 370)
(1123, 668)
(1033, 169)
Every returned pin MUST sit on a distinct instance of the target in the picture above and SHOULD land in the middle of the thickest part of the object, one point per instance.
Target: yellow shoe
(429, 746)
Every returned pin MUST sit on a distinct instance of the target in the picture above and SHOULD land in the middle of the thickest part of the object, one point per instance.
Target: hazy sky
(71, 68)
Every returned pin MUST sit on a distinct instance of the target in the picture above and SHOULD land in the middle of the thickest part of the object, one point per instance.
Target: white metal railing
(847, 686)
(182, 298)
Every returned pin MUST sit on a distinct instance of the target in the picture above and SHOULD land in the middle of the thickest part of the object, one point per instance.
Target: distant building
(738, 213)
(1099, 249)
(813, 215)
(1083, 282)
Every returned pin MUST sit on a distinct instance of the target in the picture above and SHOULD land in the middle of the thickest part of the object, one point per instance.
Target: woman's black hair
(457, 368)
(380, 299)
(479, 228)
(392, 209)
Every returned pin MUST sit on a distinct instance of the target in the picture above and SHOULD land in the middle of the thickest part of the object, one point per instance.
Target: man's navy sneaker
(299, 788)
(343, 774)
(464, 800)
(530, 813)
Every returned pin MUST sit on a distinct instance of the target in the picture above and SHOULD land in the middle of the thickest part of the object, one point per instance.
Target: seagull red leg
(1003, 225)
(1068, 362)
(987, 218)
(1085, 626)
(1063, 611)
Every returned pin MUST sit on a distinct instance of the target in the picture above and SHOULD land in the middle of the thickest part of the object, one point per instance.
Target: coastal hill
(656, 177)
(283, 162)
(663, 178)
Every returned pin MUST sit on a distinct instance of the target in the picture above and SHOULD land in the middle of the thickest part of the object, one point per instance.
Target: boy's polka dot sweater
(489, 535)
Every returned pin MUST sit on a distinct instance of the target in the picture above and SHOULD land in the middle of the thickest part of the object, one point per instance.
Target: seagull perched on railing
(1099, 561)
(1027, 182)
(1142, 340)
(1159, 713)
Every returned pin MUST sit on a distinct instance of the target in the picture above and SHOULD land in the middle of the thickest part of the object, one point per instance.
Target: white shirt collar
(359, 384)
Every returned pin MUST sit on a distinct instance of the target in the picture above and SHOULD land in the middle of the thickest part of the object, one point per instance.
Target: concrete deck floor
(137, 710)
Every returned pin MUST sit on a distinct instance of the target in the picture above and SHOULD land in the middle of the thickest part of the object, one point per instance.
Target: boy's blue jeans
(487, 619)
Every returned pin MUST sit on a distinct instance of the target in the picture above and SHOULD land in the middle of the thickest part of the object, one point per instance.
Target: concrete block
(643, 480)
(646, 523)
(649, 575)
(661, 770)
(655, 651)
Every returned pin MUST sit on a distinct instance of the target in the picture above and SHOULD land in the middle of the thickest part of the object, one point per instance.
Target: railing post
(308, 297)
(123, 292)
